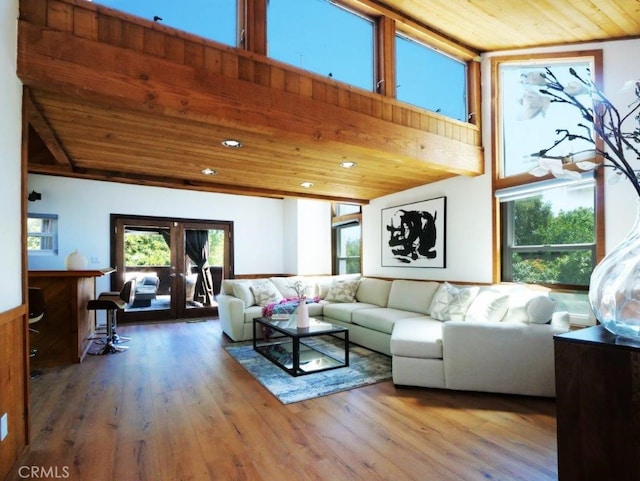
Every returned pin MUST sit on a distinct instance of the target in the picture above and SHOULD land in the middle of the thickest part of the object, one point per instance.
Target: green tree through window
(552, 248)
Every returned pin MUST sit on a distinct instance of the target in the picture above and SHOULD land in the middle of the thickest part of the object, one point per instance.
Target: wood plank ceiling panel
(491, 25)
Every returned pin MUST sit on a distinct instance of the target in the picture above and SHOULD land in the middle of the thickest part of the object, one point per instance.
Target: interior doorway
(178, 265)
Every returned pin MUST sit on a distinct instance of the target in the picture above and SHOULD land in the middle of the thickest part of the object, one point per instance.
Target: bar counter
(63, 334)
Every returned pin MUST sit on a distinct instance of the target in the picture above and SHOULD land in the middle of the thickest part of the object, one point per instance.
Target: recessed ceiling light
(306, 185)
(208, 171)
(232, 144)
(348, 164)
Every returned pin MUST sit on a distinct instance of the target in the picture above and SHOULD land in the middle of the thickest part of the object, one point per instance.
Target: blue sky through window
(212, 19)
(430, 80)
(318, 36)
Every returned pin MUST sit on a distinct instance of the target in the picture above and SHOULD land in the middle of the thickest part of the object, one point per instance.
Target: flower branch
(603, 118)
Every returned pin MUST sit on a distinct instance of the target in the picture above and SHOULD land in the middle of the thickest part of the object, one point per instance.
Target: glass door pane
(148, 260)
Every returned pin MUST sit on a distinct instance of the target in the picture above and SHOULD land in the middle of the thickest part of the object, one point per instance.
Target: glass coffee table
(292, 349)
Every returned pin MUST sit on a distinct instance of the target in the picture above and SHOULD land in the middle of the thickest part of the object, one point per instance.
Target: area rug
(365, 367)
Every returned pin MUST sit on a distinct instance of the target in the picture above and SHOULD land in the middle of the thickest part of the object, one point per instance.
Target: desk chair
(36, 314)
(111, 302)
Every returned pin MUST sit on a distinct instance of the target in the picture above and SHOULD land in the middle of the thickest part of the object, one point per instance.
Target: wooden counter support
(63, 334)
(598, 406)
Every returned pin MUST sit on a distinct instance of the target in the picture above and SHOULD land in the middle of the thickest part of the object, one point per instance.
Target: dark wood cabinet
(598, 406)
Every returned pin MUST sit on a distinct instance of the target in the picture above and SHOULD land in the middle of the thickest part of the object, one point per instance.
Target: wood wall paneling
(13, 385)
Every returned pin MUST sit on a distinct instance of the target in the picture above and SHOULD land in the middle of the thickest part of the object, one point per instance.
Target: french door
(178, 265)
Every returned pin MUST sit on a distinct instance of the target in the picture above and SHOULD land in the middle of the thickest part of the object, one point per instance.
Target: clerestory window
(322, 37)
(212, 19)
(430, 79)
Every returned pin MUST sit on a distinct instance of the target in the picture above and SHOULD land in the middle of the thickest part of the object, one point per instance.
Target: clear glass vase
(614, 290)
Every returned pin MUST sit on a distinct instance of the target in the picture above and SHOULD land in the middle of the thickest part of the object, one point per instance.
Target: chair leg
(34, 373)
(117, 339)
(109, 344)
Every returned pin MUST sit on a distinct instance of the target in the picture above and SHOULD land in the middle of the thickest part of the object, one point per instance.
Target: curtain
(196, 249)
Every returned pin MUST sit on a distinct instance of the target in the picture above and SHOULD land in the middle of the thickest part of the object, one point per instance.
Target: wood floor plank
(177, 406)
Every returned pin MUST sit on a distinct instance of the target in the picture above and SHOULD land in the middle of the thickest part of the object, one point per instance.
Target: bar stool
(111, 302)
(36, 314)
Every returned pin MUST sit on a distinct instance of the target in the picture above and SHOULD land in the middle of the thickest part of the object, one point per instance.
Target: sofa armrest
(513, 358)
(231, 315)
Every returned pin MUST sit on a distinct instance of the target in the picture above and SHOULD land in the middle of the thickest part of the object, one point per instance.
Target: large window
(213, 19)
(347, 239)
(324, 38)
(549, 229)
(530, 119)
(548, 233)
(42, 234)
(429, 79)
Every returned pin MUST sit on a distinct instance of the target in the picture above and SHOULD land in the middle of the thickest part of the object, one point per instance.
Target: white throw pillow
(450, 303)
(265, 292)
(540, 309)
(488, 306)
(343, 290)
(440, 303)
(242, 290)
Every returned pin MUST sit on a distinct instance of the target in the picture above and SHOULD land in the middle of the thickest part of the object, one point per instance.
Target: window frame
(53, 236)
(340, 222)
(501, 182)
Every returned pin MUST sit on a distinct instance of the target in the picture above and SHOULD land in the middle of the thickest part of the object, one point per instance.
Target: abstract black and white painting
(413, 235)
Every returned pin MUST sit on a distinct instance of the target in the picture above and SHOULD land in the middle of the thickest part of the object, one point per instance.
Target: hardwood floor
(176, 406)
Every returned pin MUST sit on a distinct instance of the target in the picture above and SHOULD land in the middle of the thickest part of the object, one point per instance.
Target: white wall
(84, 208)
(468, 231)
(307, 237)
(10, 165)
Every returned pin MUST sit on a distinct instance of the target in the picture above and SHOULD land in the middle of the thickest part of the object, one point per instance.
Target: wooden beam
(386, 33)
(44, 130)
(172, 183)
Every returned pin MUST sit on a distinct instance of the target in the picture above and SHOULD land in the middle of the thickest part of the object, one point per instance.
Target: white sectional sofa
(493, 338)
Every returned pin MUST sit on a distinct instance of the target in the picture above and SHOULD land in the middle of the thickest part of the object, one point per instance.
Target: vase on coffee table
(302, 314)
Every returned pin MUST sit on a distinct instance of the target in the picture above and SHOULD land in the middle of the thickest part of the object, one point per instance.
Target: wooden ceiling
(112, 97)
(491, 25)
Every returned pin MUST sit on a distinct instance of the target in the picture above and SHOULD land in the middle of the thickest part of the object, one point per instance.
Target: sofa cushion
(250, 313)
(540, 309)
(414, 296)
(286, 285)
(343, 290)
(380, 319)
(488, 306)
(242, 290)
(450, 303)
(265, 292)
(419, 337)
(373, 291)
(342, 311)
(527, 305)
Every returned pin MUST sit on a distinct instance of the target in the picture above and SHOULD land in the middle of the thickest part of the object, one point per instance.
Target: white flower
(300, 287)
(534, 103)
(554, 167)
(533, 78)
(576, 88)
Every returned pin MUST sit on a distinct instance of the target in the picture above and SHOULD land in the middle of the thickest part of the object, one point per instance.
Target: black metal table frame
(302, 333)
